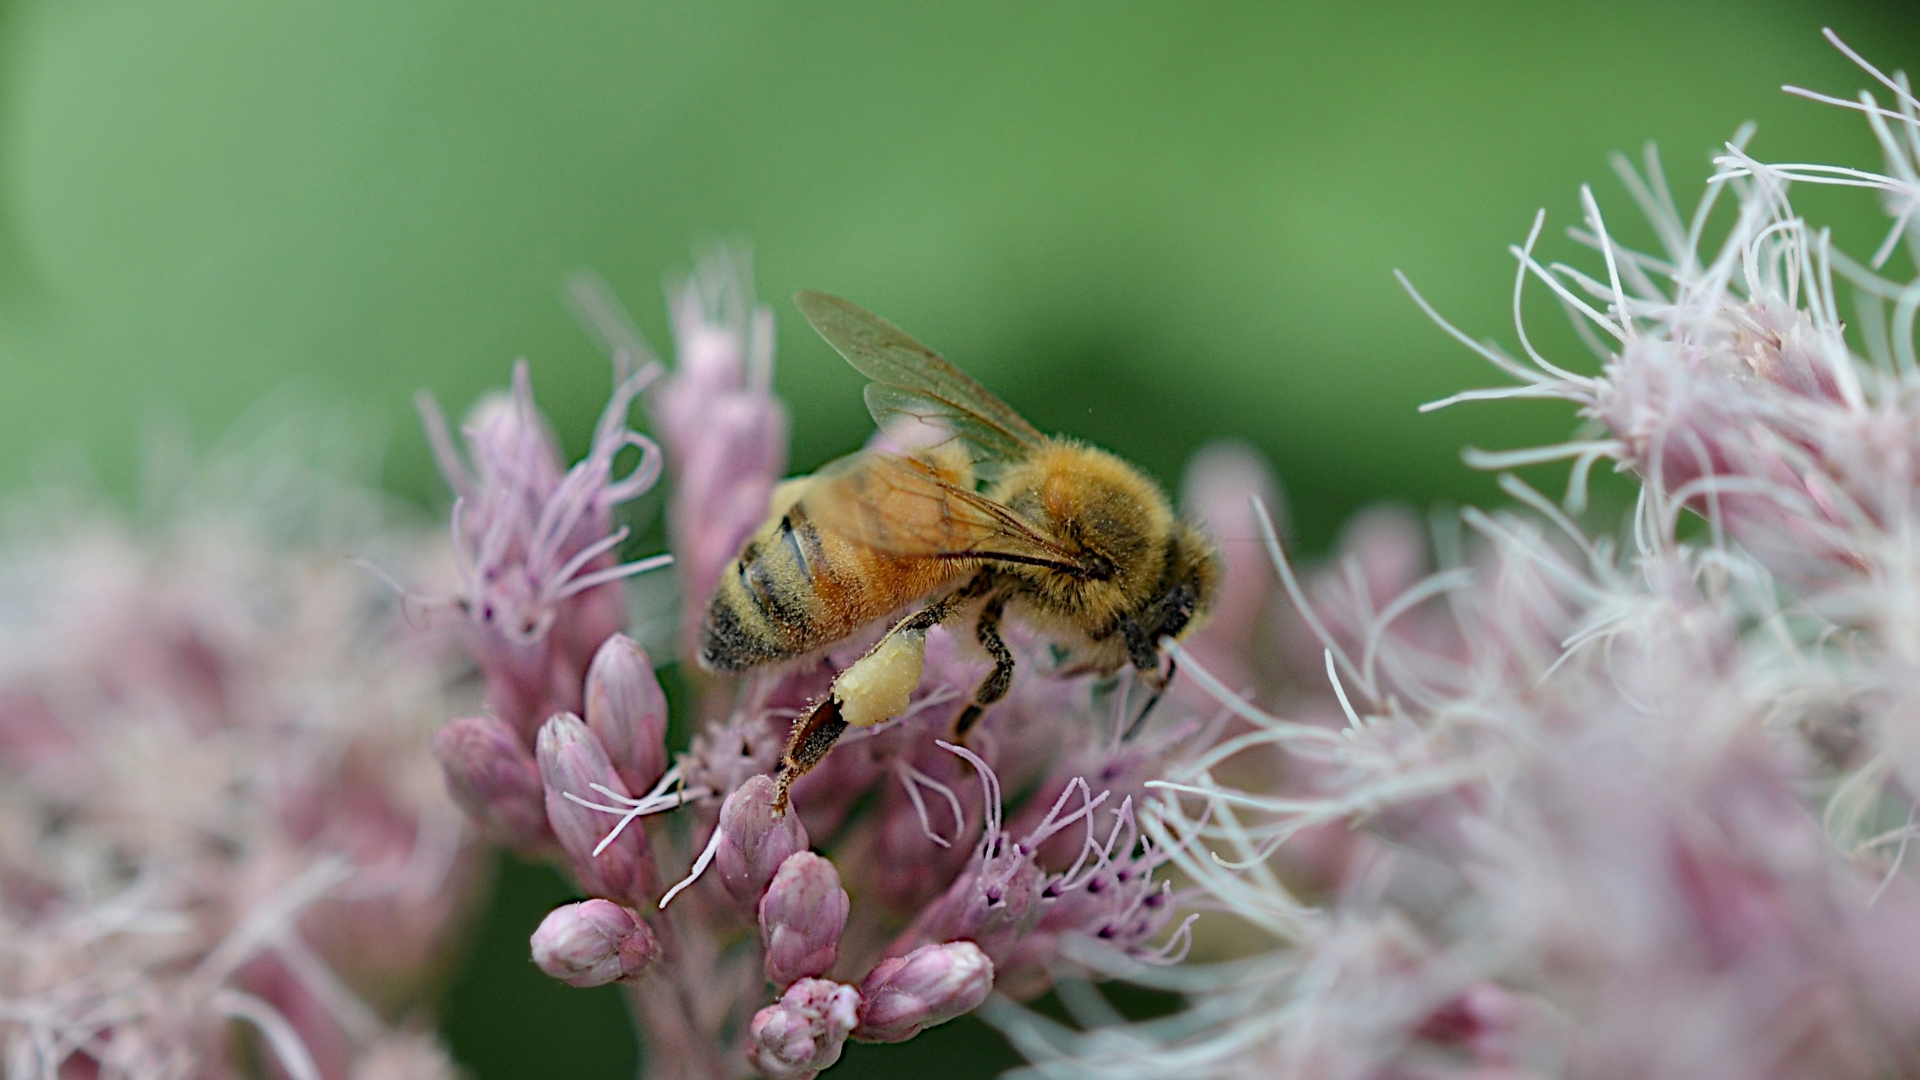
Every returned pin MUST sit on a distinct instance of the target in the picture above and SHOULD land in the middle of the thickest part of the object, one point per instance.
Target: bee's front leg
(1158, 683)
(1144, 652)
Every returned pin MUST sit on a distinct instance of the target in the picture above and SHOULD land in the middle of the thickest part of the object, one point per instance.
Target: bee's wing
(912, 382)
(901, 506)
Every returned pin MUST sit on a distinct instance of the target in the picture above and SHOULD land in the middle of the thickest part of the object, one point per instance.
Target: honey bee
(997, 519)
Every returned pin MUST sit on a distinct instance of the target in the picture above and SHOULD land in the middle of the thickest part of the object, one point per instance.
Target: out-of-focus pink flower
(1484, 1019)
(725, 433)
(802, 1033)
(1610, 801)
(627, 712)
(406, 1056)
(224, 846)
(572, 762)
(1220, 484)
(492, 775)
(801, 918)
(593, 943)
(931, 985)
(536, 545)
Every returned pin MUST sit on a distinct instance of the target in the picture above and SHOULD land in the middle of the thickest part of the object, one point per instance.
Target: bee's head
(1191, 584)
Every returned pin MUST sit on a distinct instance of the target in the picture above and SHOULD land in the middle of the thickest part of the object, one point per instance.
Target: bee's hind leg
(869, 690)
(813, 735)
(995, 685)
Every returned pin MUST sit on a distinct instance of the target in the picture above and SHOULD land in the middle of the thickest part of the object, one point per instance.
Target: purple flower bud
(801, 918)
(572, 761)
(627, 712)
(803, 1032)
(755, 840)
(593, 943)
(930, 985)
(492, 777)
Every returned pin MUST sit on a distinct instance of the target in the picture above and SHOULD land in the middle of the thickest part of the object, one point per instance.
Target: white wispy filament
(1586, 805)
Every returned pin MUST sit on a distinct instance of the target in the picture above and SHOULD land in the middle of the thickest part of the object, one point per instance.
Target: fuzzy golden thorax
(1115, 519)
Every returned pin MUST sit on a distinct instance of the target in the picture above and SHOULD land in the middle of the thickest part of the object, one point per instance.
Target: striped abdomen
(795, 589)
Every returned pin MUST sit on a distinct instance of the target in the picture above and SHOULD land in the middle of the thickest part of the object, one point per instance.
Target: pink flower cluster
(223, 846)
(954, 898)
(1580, 805)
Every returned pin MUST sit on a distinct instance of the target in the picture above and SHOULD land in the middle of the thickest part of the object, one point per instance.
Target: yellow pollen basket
(876, 687)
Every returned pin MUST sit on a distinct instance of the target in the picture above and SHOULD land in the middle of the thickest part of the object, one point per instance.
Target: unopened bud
(802, 1033)
(801, 918)
(755, 839)
(627, 712)
(930, 985)
(593, 943)
(572, 761)
(491, 775)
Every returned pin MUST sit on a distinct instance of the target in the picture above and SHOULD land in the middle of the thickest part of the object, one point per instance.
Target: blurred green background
(1145, 224)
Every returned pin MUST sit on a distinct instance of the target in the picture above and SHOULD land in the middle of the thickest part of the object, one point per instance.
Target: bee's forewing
(900, 506)
(912, 382)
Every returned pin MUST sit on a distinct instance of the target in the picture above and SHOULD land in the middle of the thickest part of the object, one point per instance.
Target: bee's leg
(813, 735)
(1159, 683)
(1143, 650)
(994, 686)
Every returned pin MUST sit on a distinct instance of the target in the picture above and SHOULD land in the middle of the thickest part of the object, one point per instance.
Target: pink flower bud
(801, 918)
(803, 1032)
(492, 777)
(572, 761)
(627, 712)
(755, 840)
(593, 943)
(930, 985)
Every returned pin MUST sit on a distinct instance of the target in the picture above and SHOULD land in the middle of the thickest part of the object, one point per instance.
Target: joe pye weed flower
(1617, 807)
(901, 886)
(1496, 795)
(224, 848)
